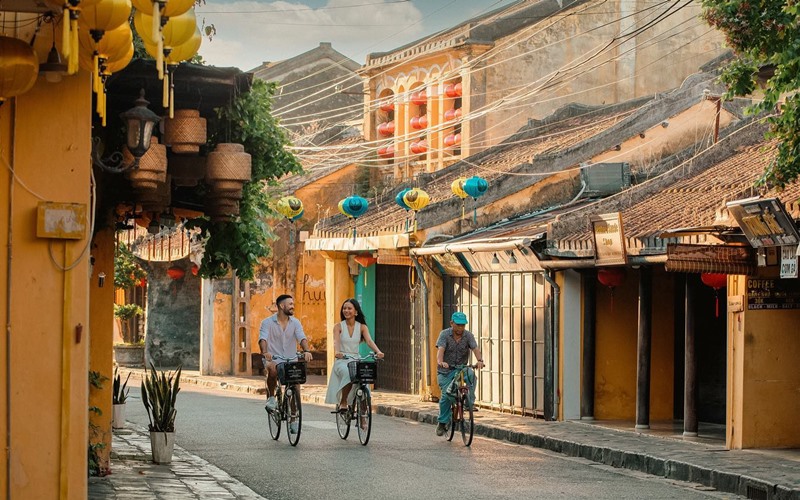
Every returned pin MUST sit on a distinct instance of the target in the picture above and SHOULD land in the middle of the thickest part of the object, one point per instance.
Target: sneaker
(441, 429)
(272, 403)
(293, 427)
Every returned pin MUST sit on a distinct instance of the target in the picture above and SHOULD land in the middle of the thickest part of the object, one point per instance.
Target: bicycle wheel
(294, 415)
(467, 423)
(343, 422)
(364, 413)
(454, 413)
(274, 418)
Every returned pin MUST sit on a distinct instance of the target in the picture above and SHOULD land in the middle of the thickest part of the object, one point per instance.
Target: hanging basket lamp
(185, 132)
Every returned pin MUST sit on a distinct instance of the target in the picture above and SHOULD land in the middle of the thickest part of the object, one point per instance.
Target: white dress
(340, 376)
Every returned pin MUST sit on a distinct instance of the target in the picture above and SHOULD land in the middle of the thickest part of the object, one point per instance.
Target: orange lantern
(450, 115)
(387, 106)
(419, 98)
(450, 140)
(453, 90)
(176, 273)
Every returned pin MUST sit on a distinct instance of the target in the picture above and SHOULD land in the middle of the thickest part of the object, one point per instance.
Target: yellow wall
(340, 287)
(100, 336)
(51, 144)
(616, 358)
(435, 318)
(763, 397)
(222, 340)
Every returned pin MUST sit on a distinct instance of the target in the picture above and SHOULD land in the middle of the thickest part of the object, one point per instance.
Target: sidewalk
(767, 474)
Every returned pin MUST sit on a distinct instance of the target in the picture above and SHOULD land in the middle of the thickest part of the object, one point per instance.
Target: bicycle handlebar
(369, 357)
(296, 358)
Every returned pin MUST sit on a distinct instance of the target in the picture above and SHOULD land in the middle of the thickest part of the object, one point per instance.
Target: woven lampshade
(152, 166)
(228, 162)
(186, 132)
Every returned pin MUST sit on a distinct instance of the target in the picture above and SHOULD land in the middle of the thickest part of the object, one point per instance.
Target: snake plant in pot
(159, 392)
(119, 397)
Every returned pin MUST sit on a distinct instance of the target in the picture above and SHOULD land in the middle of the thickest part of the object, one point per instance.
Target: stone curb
(725, 481)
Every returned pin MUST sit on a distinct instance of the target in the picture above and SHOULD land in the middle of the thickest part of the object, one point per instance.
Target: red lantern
(450, 140)
(457, 138)
(611, 277)
(195, 269)
(419, 147)
(458, 114)
(715, 281)
(382, 129)
(415, 123)
(419, 98)
(387, 106)
(423, 121)
(457, 89)
(390, 128)
(142, 282)
(450, 90)
(450, 115)
(176, 272)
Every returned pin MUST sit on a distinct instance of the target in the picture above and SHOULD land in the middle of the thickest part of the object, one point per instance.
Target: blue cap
(459, 318)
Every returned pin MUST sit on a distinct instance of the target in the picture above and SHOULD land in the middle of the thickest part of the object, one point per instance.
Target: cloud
(251, 32)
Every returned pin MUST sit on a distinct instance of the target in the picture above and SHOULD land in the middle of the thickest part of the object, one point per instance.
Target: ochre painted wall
(221, 350)
(615, 365)
(51, 131)
(340, 287)
(763, 397)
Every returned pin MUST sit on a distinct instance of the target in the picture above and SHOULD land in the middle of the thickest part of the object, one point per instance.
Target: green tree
(239, 244)
(764, 34)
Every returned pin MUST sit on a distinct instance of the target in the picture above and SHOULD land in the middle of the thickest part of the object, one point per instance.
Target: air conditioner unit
(604, 179)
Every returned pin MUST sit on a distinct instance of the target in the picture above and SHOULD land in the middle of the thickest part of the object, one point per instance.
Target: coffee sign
(609, 239)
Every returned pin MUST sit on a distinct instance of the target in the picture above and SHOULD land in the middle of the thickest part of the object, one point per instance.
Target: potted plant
(119, 396)
(159, 391)
(130, 353)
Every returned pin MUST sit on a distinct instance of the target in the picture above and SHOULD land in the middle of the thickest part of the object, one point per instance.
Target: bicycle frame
(359, 410)
(288, 409)
(459, 406)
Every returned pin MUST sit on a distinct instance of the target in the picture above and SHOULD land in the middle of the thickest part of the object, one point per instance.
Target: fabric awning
(710, 259)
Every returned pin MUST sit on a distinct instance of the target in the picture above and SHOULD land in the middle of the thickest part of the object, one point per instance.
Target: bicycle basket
(292, 373)
(363, 371)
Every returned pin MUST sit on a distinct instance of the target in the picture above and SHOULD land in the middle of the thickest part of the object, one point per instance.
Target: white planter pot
(162, 444)
(118, 417)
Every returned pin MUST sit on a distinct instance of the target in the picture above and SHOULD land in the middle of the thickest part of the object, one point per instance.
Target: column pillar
(690, 363)
(589, 344)
(643, 348)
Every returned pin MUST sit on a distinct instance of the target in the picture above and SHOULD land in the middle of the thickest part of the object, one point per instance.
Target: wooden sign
(765, 222)
(609, 239)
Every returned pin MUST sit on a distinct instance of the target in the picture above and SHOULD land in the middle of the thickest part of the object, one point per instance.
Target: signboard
(772, 294)
(789, 261)
(765, 223)
(609, 239)
(61, 220)
(710, 259)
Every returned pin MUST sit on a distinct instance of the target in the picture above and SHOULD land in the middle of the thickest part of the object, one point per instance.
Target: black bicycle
(291, 374)
(462, 413)
(363, 371)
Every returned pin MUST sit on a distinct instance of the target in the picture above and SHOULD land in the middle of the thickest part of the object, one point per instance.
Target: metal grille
(418, 331)
(506, 314)
(392, 325)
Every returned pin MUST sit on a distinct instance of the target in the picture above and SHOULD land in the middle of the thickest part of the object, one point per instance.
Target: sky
(250, 32)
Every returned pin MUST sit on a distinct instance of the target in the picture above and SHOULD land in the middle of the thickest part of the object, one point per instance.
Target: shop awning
(710, 259)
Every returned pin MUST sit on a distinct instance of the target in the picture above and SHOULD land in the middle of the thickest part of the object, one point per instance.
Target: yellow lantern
(187, 49)
(19, 67)
(105, 15)
(458, 187)
(416, 199)
(117, 65)
(167, 10)
(174, 56)
(178, 30)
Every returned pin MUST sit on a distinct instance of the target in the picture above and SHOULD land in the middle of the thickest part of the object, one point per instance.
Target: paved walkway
(768, 474)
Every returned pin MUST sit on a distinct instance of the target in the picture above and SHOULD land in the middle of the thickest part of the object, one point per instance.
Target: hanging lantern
(298, 216)
(104, 15)
(419, 98)
(386, 151)
(19, 67)
(457, 187)
(342, 210)
(453, 90)
(476, 187)
(419, 147)
(423, 121)
(195, 269)
(290, 207)
(611, 277)
(450, 115)
(152, 168)
(142, 282)
(185, 132)
(457, 138)
(400, 199)
(458, 113)
(176, 272)
(416, 199)
(450, 140)
(387, 106)
(457, 89)
(414, 122)
(228, 167)
(354, 207)
(715, 281)
(386, 128)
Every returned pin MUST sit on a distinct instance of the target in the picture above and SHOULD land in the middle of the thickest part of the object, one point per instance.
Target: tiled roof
(692, 202)
(324, 162)
(491, 164)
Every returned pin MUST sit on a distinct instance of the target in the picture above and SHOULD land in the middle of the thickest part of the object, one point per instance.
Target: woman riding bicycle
(453, 348)
(278, 336)
(347, 336)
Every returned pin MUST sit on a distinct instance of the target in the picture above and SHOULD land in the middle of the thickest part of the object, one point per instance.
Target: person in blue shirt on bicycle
(278, 336)
(453, 348)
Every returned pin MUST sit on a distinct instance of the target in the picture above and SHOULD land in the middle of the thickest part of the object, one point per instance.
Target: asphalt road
(403, 460)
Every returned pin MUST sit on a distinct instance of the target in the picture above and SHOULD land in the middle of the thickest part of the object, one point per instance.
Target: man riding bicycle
(453, 348)
(278, 336)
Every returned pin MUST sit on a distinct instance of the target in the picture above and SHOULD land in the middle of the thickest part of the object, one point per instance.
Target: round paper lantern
(457, 89)
(176, 272)
(390, 127)
(104, 15)
(419, 147)
(450, 140)
(611, 276)
(423, 121)
(416, 199)
(342, 210)
(450, 115)
(457, 138)
(458, 113)
(715, 281)
(298, 216)
(453, 90)
(168, 9)
(386, 151)
(414, 122)
(419, 98)
(400, 199)
(290, 207)
(476, 187)
(457, 187)
(19, 67)
(355, 206)
(387, 106)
